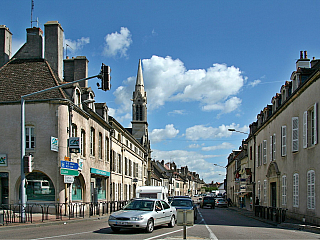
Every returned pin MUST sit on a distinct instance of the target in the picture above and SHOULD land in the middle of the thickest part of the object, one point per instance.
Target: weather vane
(32, 7)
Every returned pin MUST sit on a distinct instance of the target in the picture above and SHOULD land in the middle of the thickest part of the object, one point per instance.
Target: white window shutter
(271, 142)
(315, 122)
(305, 130)
(274, 147)
(295, 134)
(284, 141)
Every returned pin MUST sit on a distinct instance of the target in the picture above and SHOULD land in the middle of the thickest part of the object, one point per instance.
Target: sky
(208, 66)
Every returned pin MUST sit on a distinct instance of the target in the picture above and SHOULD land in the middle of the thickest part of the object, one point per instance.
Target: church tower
(139, 110)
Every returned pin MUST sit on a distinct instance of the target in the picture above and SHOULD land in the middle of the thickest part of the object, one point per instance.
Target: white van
(158, 192)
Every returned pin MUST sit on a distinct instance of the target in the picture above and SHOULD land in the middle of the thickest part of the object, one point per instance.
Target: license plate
(122, 223)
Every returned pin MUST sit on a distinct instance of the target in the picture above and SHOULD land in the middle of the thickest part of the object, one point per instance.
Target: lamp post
(23, 139)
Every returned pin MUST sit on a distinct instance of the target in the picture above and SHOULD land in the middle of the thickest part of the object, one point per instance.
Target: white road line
(212, 235)
(164, 234)
(58, 236)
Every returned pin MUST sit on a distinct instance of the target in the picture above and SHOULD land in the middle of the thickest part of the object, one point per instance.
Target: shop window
(39, 187)
(101, 187)
(76, 190)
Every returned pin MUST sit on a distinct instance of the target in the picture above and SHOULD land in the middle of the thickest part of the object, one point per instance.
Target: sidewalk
(37, 220)
(288, 223)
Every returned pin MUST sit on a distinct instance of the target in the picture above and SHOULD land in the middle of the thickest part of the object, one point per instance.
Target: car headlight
(139, 218)
(112, 217)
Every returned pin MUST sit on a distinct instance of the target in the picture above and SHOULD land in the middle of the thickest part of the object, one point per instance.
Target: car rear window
(208, 198)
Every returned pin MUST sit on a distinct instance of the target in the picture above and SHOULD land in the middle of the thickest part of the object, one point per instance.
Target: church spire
(139, 82)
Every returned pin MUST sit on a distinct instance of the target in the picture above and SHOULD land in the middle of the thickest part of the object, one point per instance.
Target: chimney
(5, 45)
(33, 47)
(303, 62)
(75, 69)
(54, 46)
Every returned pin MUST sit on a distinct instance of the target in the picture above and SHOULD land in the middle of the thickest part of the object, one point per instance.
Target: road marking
(167, 233)
(212, 235)
(65, 235)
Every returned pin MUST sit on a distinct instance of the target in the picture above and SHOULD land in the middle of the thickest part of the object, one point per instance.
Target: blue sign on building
(69, 165)
(100, 172)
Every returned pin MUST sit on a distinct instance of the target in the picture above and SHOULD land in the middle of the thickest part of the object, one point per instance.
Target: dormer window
(77, 98)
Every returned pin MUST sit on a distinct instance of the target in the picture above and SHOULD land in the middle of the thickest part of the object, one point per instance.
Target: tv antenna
(32, 7)
(67, 45)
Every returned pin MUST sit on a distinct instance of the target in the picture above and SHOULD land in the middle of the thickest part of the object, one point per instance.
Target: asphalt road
(218, 223)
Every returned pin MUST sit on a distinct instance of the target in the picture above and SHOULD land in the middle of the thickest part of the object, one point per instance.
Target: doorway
(4, 188)
(273, 194)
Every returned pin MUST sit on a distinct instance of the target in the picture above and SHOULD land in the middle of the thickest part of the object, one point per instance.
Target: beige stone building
(109, 160)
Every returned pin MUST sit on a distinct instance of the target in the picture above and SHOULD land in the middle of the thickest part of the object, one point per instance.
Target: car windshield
(142, 205)
(181, 203)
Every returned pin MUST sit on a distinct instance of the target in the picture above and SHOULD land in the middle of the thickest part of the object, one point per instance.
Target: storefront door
(273, 194)
(4, 188)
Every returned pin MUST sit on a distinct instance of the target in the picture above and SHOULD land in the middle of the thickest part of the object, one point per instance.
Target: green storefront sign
(100, 172)
(70, 172)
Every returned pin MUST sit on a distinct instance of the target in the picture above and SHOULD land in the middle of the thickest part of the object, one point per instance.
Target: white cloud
(202, 132)
(118, 43)
(224, 145)
(177, 112)
(158, 135)
(75, 45)
(254, 83)
(196, 163)
(167, 80)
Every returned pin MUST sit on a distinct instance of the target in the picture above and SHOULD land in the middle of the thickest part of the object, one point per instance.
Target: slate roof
(23, 76)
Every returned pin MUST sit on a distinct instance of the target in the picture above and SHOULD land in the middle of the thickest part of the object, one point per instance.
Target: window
(296, 190)
(76, 189)
(259, 190)
(284, 190)
(74, 130)
(30, 138)
(273, 147)
(83, 143)
(310, 127)
(107, 150)
(264, 151)
(92, 141)
(265, 191)
(311, 189)
(295, 134)
(283, 141)
(100, 145)
(125, 166)
(39, 187)
(130, 168)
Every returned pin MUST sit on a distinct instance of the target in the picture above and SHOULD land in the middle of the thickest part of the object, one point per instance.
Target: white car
(143, 214)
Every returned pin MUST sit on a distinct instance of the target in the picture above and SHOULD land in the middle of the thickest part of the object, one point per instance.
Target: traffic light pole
(23, 139)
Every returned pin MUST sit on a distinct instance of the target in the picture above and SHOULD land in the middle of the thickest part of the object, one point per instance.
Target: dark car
(185, 203)
(207, 202)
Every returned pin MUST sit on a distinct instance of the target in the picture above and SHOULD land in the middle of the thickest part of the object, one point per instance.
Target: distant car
(207, 202)
(185, 203)
(143, 214)
(221, 202)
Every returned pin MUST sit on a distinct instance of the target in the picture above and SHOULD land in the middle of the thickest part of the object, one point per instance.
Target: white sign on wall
(68, 179)
(3, 160)
(54, 144)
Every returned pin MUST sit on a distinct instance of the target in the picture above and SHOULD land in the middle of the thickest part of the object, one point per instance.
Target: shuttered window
(283, 141)
(296, 190)
(295, 134)
(311, 189)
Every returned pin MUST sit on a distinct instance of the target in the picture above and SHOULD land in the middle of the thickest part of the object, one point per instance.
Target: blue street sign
(69, 165)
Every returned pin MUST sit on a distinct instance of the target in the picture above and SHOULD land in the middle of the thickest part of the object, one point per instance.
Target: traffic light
(27, 163)
(105, 77)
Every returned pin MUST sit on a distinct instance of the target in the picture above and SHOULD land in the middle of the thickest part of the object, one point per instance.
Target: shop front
(99, 184)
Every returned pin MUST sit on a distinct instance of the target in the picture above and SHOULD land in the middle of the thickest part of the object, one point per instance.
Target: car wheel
(115, 229)
(172, 221)
(150, 226)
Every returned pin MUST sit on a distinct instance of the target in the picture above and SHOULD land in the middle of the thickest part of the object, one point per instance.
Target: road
(218, 223)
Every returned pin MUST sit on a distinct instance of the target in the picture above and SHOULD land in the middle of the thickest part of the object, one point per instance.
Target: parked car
(143, 214)
(221, 202)
(207, 202)
(185, 203)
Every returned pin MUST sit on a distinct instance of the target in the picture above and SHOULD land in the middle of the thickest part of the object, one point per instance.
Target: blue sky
(207, 65)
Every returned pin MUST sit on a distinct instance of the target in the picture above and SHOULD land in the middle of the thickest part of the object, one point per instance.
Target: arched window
(39, 187)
